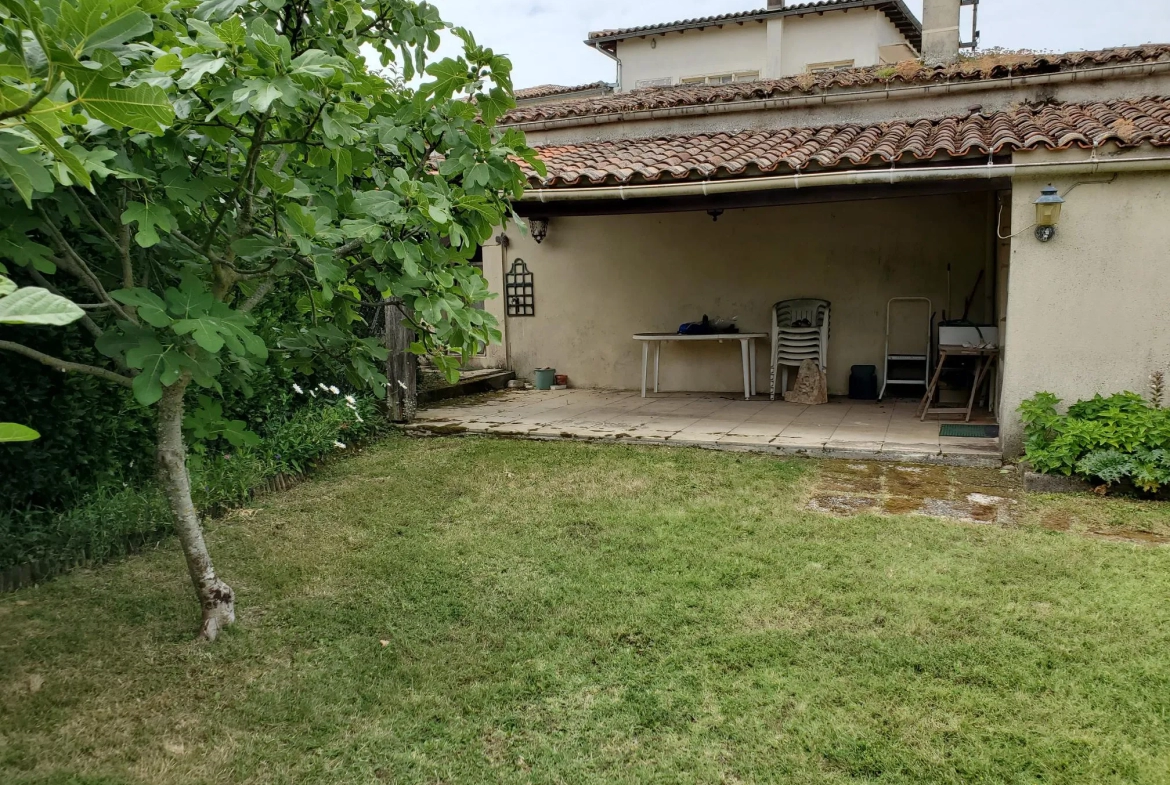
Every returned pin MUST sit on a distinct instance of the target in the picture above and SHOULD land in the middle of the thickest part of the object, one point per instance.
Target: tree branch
(26, 107)
(261, 292)
(86, 322)
(244, 176)
(80, 269)
(65, 365)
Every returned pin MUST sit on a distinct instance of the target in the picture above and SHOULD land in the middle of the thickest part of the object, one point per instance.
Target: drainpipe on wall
(940, 31)
(617, 60)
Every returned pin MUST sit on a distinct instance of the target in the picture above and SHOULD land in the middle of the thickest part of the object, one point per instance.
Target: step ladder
(908, 363)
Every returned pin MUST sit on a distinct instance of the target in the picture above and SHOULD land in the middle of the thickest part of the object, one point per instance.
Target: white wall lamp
(539, 229)
(1047, 213)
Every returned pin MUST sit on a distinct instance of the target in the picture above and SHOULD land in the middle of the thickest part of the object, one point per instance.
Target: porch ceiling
(765, 198)
(1127, 123)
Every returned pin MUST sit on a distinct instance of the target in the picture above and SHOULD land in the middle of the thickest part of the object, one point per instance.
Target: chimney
(775, 4)
(940, 31)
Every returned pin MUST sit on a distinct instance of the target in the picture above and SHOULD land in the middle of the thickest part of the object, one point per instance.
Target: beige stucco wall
(1088, 312)
(601, 279)
(694, 53)
(779, 46)
(844, 35)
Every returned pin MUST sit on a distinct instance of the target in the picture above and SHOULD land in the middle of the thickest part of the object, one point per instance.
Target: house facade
(769, 43)
(854, 185)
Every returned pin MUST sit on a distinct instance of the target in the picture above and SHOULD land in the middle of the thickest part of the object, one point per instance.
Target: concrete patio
(842, 428)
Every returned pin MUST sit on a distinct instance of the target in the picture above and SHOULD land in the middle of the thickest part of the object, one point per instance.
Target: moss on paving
(470, 611)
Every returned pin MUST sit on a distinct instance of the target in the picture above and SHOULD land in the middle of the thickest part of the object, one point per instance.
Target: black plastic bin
(863, 383)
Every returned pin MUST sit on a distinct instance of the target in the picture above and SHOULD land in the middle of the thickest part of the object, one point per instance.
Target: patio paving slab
(853, 430)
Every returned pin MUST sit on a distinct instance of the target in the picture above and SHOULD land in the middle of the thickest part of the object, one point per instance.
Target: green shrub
(1109, 439)
(116, 512)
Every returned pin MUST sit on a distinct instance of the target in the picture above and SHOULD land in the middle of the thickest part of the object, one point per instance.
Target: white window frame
(831, 65)
(724, 78)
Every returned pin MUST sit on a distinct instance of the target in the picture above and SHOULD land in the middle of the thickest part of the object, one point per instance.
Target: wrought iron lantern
(1047, 213)
(539, 229)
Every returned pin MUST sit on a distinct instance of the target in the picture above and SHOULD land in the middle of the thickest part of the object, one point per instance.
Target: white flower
(339, 445)
(402, 384)
(313, 393)
(359, 417)
(334, 390)
(351, 400)
(321, 386)
(297, 389)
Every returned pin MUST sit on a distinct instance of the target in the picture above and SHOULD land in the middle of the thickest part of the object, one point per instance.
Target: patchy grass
(472, 611)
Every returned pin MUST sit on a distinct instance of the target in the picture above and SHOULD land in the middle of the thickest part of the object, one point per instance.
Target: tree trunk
(401, 366)
(215, 597)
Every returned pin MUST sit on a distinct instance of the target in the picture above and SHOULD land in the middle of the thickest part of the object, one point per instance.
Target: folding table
(747, 345)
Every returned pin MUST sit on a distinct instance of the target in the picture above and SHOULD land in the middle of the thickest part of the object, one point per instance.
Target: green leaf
(198, 66)
(183, 188)
(151, 307)
(7, 286)
(168, 63)
(24, 251)
(232, 32)
(14, 432)
(150, 218)
(479, 176)
(33, 305)
(210, 10)
(314, 62)
(494, 104)
(142, 107)
(267, 43)
(68, 159)
(204, 35)
(256, 247)
(451, 75)
(274, 180)
(118, 28)
(28, 175)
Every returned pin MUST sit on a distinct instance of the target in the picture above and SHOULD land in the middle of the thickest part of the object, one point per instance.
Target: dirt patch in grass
(970, 495)
(1133, 535)
(840, 504)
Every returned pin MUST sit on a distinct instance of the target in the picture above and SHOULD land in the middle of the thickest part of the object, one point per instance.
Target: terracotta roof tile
(549, 90)
(753, 153)
(991, 66)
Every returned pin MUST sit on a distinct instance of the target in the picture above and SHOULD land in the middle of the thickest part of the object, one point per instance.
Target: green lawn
(483, 611)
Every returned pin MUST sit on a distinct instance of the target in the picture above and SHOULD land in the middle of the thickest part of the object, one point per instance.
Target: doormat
(967, 430)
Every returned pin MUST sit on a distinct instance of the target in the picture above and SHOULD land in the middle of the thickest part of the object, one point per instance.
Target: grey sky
(543, 37)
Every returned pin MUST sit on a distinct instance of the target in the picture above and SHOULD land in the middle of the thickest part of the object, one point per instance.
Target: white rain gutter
(844, 97)
(890, 176)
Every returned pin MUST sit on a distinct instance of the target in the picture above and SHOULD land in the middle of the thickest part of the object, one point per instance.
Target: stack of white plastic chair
(800, 331)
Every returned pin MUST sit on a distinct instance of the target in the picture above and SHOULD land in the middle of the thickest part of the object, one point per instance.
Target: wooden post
(401, 366)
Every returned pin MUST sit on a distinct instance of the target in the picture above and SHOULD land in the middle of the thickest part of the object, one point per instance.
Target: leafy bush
(115, 512)
(1109, 439)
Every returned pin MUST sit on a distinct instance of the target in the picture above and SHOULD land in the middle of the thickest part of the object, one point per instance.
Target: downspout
(852, 177)
(613, 56)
